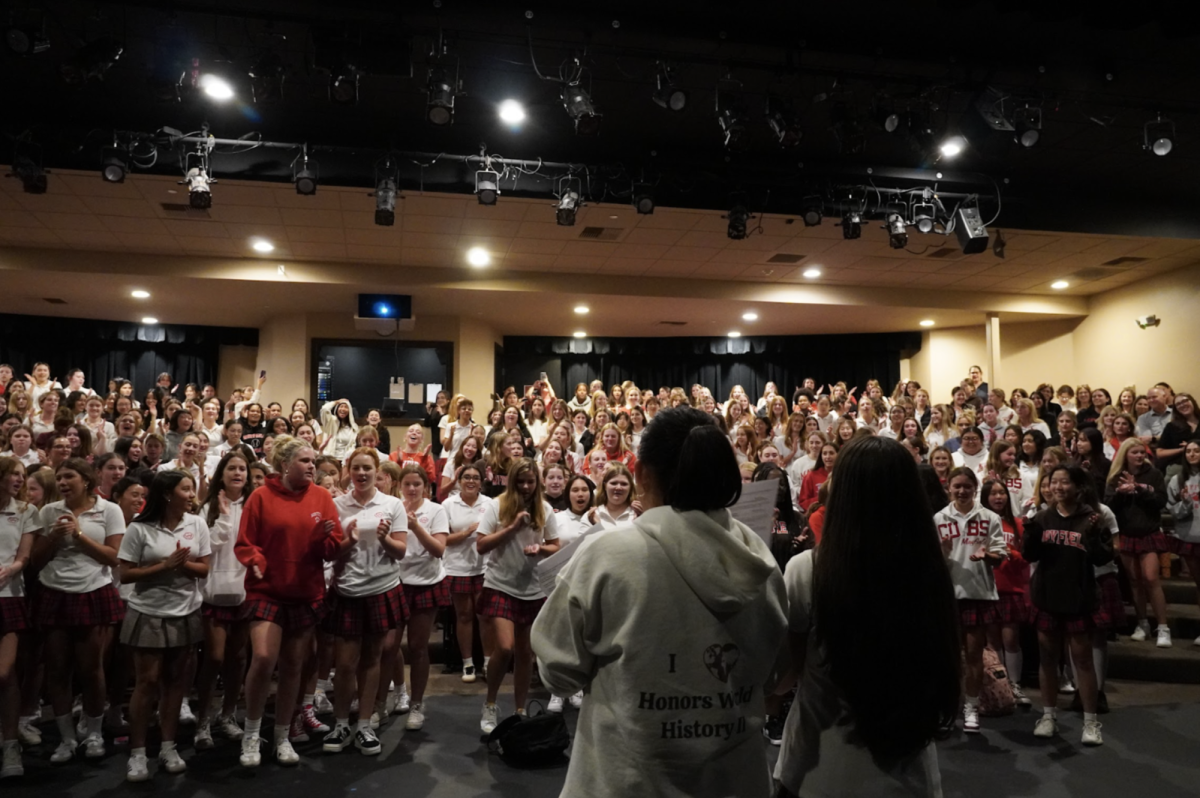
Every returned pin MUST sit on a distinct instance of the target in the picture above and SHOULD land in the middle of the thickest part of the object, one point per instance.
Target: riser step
(1184, 620)
(1179, 664)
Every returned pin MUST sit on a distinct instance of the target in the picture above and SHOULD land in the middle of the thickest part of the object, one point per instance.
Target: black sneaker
(773, 729)
(337, 740)
(1101, 703)
(366, 742)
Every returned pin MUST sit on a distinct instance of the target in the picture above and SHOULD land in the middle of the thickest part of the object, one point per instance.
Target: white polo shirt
(16, 520)
(510, 570)
(71, 570)
(173, 593)
(366, 569)
(464, 559)
(419, 567)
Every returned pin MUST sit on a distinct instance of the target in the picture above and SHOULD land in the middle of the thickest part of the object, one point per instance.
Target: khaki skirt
(147, 631)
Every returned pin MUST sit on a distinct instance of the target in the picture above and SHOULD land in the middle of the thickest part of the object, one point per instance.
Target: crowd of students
(137, 534)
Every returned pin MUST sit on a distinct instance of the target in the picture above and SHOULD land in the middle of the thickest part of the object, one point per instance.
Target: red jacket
(812, 483)
(1012, 575)
(423, 459)
(283, 533)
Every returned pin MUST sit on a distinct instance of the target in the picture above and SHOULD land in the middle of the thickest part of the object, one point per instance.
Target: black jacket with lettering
(1139, 514)
(1066, 549)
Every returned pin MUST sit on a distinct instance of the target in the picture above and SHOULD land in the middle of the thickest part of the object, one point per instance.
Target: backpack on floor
(527, 742)
(996, 696)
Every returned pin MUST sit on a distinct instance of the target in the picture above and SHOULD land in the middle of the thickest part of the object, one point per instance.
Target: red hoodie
(1012, 575)
(283, 533)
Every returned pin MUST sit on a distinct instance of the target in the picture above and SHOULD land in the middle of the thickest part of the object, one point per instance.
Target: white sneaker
(93, 747)
(171, 761)
(115, 722)
(229, 727)
(489, 719)
(971, 718)
(285, 754)
(186, 717)
(577, 700)
(321, 702)
(81, 727)
(1141, 632)
(1019, 696)
(65, 752)
(31, 735)
(1065, 685)
(251, 751)
(1091, 733)
(1164, 638)
(555, 705)
(13, 766)
(403, 702)
(1046, 727)
(1196, 642)
(203, 740)
(416, 716)
(468, 674)
(137, 769)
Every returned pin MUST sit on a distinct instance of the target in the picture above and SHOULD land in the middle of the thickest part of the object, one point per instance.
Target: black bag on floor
(529, 742)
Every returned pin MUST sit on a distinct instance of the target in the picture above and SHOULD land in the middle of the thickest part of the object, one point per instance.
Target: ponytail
(691, 459)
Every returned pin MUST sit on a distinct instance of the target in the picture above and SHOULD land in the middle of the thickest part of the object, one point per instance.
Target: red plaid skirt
(1110, 613)
(1015, 608)
(292, 617)
(100, 607)
(226, 615)
(14, 615)
(470, 585)
(1182, 548)
(427, 597)
(1071, 624)
(1156, 543)
(978, 612)
(497, 604)
(366, 615)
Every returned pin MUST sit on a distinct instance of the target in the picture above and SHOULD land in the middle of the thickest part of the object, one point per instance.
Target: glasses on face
(474, 478)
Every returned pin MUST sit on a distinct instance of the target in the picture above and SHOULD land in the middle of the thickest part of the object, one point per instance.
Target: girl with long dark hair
(1012, 586)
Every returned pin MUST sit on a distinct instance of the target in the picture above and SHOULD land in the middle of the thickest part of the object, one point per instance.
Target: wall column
(992, 334)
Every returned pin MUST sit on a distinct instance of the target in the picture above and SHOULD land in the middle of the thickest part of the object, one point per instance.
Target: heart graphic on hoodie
(721, 659)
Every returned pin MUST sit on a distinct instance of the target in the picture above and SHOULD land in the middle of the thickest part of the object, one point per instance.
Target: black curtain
(109, 349)
(716, 363)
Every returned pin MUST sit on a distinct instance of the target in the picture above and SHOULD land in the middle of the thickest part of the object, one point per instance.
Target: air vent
(673, 323)
(53, 300)
(601, 233)
(1095, 273)
(944, 252)
(786, 258)
(1126, 261)
(185, 210)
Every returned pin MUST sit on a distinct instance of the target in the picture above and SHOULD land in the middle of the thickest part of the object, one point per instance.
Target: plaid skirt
(365, 615)
(139, 630)
(226, 615)
(497, 604)
(978, 612)
(1155, 543)
(1182, 548)
(469, 585)
(14, 615)
(1110, 612)
(1071, 624)
(427, 597)
(100, 607)
(1015, 608)
(292, 617)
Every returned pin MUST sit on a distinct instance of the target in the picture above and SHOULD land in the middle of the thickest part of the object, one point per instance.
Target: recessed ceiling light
(1059, 285)
(140, 294)
(582, 310)
(580, 334)
(749, 315)
(512, 112)
(262, 245)
(734, 334)
(812, 273)
(927, 322)
(149, 320)
(478, 256)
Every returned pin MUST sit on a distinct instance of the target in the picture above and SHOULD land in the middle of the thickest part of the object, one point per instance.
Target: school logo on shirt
(189, 535)
(721, 660)
(975, 528)
(316, 516)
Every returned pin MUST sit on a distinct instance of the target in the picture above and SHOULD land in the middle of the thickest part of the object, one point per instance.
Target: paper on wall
(416, 393)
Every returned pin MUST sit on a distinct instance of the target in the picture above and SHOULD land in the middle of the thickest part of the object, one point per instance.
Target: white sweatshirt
(977, 527)
(1183, 502)
(671, 625)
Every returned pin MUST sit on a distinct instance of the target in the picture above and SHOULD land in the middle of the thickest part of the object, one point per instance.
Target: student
(1012, 587)
(20, 447)
(469, 453)
(574, 521)
(971, 453)
(366, 600)
(19, 521)
(516, 531)
(464, 564)
(1183, 501)
(412, 452)
(339, 427)
(614, 498)
(164, 552)
(1066, 542)
(941, 426)
(554, 481)
(688, 476)
(943, 462)
(815, 478)
(973, 542)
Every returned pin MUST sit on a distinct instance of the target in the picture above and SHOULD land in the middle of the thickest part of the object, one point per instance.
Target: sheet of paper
(547, 570)
(431, 391)
(396, 388)
(756, 508)
(416, 394)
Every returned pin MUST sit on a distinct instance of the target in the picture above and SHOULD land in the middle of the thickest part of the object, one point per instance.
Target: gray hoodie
(672, 625)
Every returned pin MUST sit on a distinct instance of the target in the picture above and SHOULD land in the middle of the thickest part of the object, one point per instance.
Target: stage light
(739, 218)
(439, 108)
(199, 188)
(812, 273)
(666, 93)
(1159, 136)
(266, 78)
(26, 40)
(927, 322)
(952, 146)
(1027, 125)
(487, 186)
(643, 202)
(385, 202)
(114, 164)
(91, 61)
(343, 84)
(478, 257)
(216, 88)
(581, 110)
(851, 225)
(582, 310)
(781, 118)
(149, 320)
(887, 119)
(730, 116)
(140, 294)
(1059, 285)
(897, 232)
(568, 204)
(924, 215)
(262, 245)
(812, 211)
(512, 112)
(306, 180)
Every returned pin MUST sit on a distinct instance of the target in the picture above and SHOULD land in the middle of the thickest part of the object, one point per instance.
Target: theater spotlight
(851, 225)
(305, 177)
(643, 201)
(487, 186)
(568, 204)
(924, 216)
(739, 220)
(385, 202)
(440, 90)
(1159, 136)
(31, 175)
(730, 114)
(343, 84)
(897, 231)
(199, 188)
(667, 94)
(781, 118)
(114, 164)
(1027, 125)
(26, 40)
(578, 104)
(813, 208)
(266, 78)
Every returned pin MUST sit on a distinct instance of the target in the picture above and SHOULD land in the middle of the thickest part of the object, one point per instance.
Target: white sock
(1089, 717)
(1100, 659)
(308, 700)
(324, 684)
(11, 744)
(1014, 662)
(343, 722)
(137, 752)
(66, 727)
(167, 745)
(253, 727)
(281, 734)
(1163, 627)
(1049, 712)
(973, 701)
(95, 726)
(363, 725)
(485, 662)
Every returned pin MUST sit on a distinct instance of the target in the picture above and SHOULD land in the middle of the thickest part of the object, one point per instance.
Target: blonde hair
(947, 429)
(511, 503)
(614, 470)
(285, 450)
(1033, 413)
(1118, 463)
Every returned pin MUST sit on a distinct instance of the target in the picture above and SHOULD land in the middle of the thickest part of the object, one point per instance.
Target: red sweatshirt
(283, 533)
(423, 459)
(1012, 575)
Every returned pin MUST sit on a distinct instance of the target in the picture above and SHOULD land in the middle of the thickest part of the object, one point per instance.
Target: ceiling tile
(450, 225)
(319, 251)
(198, 228)
(644, 235)
(671, 268)
(367, 252)
(537, 246)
